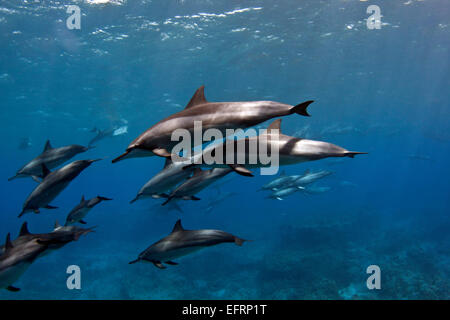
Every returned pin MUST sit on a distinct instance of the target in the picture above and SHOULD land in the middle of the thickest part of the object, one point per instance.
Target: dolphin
(51, 157)
(56, 239)
(101, 134)
(16, 256)
(167, 179)
(16, 259)
(315, 189)
(291, 150)
(311, 177)
(283, 181)
(78, 213)
(52, 185)
(199, 181)
(283, 193)
(182, 242)
(218, 115)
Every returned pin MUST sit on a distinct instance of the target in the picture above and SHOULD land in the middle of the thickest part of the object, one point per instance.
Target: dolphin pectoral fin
(12, 289)
(50, 207)
(167, 201)
(243, 171)
(36, 178)
(82, 222)
(191, 198)
(171, 263)
(161, 152)
(352, 154)
(301, 108)
(135, 199)
(159, 264)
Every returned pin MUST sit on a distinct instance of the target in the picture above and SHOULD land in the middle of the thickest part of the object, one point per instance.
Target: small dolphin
(25, 143)
(283, 181)
(78, 213)
(199, 181)
(51, 157)
(182, 242)
(291, 150)
(311, 177)
(219, 115)
(167, 179)
(315, 189)
(52, 185)
(283, 193)
(101, 134)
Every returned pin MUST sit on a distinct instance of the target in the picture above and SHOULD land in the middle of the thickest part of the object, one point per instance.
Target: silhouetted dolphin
(182, 242)
(78, 213)
(219, 115)
(291, 150)
(283, 193)
(101, 134)
(283, 181)
(51, 157)
(52, 185)
(199, 181)
(167, 179)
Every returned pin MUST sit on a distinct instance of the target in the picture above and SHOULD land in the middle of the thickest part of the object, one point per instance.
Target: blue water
(385, 92)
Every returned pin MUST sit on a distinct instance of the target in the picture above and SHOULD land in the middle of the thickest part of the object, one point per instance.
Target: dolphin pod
(18, 255)
(51, 158)
(52, 185)
(181, 242)
(218, 115)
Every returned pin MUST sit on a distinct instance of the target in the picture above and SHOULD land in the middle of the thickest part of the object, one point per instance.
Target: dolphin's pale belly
(174, 253)
(11, 274)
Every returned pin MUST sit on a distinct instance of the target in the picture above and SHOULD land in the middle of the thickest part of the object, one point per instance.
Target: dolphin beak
(121, 157)
(352, 154)
(12, 178)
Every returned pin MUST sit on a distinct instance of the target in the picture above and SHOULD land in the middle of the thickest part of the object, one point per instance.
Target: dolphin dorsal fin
(8, 244)
(198, 98)
(178, 226)
(275, 125)
(168, 162)
(47, 146)
(45, 171)
(57, 225)
(24, 230)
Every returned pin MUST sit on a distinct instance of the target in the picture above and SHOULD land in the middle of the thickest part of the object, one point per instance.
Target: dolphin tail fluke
(243, 171)
(301, 108)
(134, 261)
(123, 155)
(239, 241)
(352, 154)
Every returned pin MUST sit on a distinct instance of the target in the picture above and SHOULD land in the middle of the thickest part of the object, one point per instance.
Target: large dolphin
(16, 256)
(54, 240)
(51, 157)
(199, 181)
(291, 150)
(219, 115)
(167, 179)
(52, 185)
(16, 259)
(78, 213)
(182, 242)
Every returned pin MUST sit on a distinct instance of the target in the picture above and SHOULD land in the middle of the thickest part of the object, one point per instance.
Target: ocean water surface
(382, 91)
